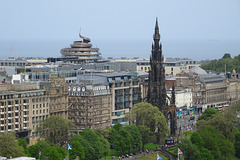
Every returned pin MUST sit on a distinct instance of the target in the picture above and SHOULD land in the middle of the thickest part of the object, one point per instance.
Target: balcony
(2, 131)
(24, 103)
(24, 121)
(10, 117)
(9, 105)
(9, 130)
(25, 109)
(2, 125)
(16, 129)
(2, 119)
(24, 127)
(9, 111)
(2, 107)
(16, 110)
(16, 116)
(25, 115)
(9, 124)
(16, 105)
(2, 112)
(16, 122)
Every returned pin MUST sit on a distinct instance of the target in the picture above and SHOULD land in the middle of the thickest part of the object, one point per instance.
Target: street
(184, 123)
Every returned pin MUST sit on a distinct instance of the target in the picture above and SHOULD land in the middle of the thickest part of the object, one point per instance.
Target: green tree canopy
(147, 135)
(53, 153)
(206, 115)
(136, 135)
(190, 151)
(88, 148)
(227, 55)
(148, 115)
(225, 63)
(95, 140)
(237, 144)
(211, 139)
(9, 146)
(120, 138)
(33, 150)
(77, 150)
(23, 143)
(222, 126)
(55, 129)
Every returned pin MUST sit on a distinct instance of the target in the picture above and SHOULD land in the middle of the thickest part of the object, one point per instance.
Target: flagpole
(68, 154)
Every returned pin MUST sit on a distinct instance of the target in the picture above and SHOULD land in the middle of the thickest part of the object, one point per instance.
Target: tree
(227, 55)
(9, 146)
(77, 150)
(52, 153)
(197, 140)
(206, 115)
(148, 115)
(211, 139)
(88, 149)
(227, 149)
(33, 150)
(136, 135)
(231, 114)
(237, 144)
(23, 143)
(190, 151)
(205, 154)
(120, 138)
(94, 139)
(147, 135)
(55, 129)
(222, 126)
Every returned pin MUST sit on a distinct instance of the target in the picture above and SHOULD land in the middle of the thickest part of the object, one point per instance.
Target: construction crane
(11, 52)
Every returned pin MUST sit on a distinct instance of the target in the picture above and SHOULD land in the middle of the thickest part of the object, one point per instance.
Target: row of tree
(151, 126)
(226, 63)
(217, 136)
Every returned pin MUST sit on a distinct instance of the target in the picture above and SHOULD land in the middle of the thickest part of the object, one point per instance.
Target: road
(184, 124)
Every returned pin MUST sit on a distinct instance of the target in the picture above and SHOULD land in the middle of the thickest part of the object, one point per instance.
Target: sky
(118, 21)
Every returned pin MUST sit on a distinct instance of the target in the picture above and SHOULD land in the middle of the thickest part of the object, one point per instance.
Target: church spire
(156, 35)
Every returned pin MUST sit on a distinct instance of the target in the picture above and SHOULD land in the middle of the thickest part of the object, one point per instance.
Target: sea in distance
(193, 49)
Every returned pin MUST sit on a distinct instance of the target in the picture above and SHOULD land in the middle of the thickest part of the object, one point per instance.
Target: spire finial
(156, 26)
(156, 35)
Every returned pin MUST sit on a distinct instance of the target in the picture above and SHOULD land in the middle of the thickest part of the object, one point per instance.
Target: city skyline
(121, 22)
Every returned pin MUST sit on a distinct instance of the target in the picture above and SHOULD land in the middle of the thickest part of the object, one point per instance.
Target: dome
(198, 70)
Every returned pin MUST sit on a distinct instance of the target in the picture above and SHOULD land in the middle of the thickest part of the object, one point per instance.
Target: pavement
(184, 123)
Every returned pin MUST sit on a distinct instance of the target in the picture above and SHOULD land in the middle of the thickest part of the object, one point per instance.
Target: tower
(157, 95)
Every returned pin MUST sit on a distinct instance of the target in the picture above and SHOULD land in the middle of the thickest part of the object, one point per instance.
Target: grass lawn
(147, 157)
(153, 157)
(187, 134)
(173, 150)
(151, 146)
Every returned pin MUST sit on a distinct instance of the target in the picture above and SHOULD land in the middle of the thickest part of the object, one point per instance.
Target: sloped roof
(198, 70)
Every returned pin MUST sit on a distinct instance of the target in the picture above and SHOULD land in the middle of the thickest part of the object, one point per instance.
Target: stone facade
(23, 108)
(58, 96)
(89, 106)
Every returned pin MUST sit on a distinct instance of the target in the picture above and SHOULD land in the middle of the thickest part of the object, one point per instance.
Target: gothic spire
(156, 35)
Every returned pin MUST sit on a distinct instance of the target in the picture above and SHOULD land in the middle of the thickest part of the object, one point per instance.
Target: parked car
(192, 118)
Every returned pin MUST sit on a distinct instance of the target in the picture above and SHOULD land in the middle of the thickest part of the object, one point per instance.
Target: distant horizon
(192, 49)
